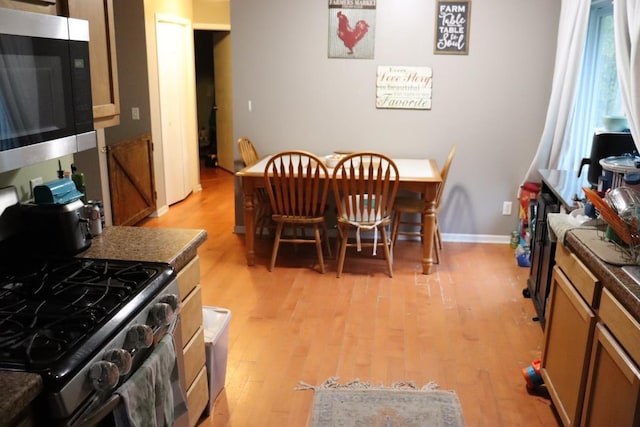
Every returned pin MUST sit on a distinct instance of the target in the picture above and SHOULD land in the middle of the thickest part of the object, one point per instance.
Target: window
(598, 92)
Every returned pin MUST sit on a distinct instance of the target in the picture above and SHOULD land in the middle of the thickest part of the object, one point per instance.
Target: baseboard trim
(446, 237)
(475, 238)
(160, 211)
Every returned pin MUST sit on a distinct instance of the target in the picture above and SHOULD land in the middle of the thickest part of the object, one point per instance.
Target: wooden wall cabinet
(194, 381)
(47, 7)
(102, 49)
(591, 350)
(102, 57)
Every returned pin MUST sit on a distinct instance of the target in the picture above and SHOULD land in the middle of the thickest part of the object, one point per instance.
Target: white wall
(491, 102)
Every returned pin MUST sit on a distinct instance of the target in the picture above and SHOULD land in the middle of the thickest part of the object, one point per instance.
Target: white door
(224, 98)
(172, 76)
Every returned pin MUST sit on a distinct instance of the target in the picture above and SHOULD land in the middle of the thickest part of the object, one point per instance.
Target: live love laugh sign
(452, 27)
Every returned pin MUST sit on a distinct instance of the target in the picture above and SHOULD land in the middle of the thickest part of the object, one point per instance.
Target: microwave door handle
(94, 417)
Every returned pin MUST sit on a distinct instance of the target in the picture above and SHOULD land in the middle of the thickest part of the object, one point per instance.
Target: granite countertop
(619, 283)
(170, 245)
(174, 246)
(17, 390)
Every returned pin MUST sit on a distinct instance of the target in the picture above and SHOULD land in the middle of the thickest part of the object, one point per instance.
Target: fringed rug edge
(332, 383)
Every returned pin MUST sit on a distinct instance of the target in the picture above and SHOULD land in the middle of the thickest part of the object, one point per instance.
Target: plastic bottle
(78, 180)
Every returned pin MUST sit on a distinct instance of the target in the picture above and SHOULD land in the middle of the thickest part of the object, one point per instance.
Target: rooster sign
(351, 25)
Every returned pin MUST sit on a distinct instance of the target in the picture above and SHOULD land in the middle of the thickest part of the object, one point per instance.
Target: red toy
(532, 375)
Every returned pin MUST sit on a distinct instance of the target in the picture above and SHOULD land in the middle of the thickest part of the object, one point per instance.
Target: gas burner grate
(49, 308)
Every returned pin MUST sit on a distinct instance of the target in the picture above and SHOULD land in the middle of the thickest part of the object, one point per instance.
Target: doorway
(214, 96)
(205, 98)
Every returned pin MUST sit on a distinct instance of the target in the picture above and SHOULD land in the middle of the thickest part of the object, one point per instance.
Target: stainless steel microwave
(46, 110)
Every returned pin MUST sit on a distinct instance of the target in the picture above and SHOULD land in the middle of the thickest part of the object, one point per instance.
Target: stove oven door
(107, 409)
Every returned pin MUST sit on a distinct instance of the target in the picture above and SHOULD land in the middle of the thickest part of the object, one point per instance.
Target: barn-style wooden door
(131, 180)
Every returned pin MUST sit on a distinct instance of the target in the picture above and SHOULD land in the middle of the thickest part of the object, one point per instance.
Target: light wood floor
(466, 327)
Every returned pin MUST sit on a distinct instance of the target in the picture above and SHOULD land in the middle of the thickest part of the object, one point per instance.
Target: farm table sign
(452, 27)
(404, 87)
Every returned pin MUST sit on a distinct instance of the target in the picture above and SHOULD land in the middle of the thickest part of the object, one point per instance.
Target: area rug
(359, 404)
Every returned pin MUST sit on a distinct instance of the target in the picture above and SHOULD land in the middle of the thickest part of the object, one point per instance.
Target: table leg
(249, 221)
(428, 224)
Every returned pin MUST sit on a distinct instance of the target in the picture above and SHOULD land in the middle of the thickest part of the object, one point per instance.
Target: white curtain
(572, 31)
(626, 28)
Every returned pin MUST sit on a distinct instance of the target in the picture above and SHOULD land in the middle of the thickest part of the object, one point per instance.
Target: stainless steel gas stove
(76, 321)
(84, 325)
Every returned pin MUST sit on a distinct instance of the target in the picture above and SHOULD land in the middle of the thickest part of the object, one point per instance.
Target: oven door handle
(94, 417)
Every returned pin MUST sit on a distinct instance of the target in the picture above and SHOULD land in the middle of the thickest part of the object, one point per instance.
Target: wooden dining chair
(365, 186)
(297, 184)
(410, 207)
(262, 207)
(248, 151)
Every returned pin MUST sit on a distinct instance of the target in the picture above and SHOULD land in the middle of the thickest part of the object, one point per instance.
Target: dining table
(417, 175)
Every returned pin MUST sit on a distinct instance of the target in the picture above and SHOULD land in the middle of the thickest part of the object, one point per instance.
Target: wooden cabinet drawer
(189, 277)
(621, 324)
(587, 285)
(197, 397)
(194, 357)
(191, 314)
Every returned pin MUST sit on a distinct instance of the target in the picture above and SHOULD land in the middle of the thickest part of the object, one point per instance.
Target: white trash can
(215, 322)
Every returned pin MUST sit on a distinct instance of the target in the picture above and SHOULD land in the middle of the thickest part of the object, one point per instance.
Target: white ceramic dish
(332, 160)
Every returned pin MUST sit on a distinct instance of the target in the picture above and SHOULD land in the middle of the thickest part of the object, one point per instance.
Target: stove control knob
(119, 357)
(138, 337)
(104, 375)
(173, 301)
(161, 314)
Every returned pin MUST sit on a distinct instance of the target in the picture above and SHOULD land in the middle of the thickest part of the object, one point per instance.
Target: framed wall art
(351, 28)
(452, 27)
(401, 87)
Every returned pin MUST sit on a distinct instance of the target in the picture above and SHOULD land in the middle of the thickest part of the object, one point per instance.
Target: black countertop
(565, 185)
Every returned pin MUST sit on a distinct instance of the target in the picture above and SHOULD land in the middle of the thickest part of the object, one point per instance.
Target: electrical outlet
(506, 208)
(135, 113)
(33, 183)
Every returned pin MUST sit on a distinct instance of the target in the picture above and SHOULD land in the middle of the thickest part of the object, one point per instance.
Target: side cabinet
(613, 388)
(194, 381)
(568, 334)
(102, 58)
(591, 350)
